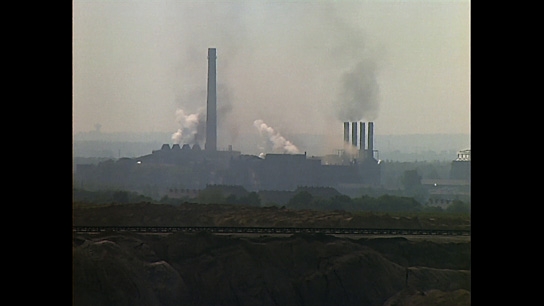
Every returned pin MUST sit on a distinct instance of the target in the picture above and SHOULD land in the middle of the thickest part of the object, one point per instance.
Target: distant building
(444, 191)
(178, 171)
(185, 168)
(460, 167)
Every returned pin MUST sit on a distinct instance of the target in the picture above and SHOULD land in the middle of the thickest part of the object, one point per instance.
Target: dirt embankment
(207, 269)
(146, 214)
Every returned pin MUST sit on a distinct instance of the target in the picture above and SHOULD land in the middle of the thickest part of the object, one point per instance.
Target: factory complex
(189, 167)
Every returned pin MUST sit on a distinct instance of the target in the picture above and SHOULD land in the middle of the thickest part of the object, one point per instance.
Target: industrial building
(189, 167)
(443, 192)
(460, 167)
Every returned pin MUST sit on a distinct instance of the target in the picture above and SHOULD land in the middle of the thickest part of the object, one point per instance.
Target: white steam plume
(280, 144)
(192, 126)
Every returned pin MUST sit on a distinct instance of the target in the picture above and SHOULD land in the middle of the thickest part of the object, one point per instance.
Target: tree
(251, 199)
(396, 204)
(340, 202)
(231, 199)
(459, 207)
(410, 179)
(211, 196)
(120, 197)
(302, 199)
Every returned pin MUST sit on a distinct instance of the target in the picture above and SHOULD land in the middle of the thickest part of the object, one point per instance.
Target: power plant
(183, 166)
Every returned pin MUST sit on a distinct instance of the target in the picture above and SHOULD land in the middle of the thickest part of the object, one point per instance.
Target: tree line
(383, 203)
(300, 200)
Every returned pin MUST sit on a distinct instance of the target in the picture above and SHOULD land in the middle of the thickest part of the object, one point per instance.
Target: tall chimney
(211, 105)
(371, 139)
(354, 134)
(346, 133)
(362, 137)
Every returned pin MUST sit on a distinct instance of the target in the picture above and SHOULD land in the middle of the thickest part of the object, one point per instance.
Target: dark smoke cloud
(321, 43)
(299, 65)
(358, 55)
(228, 127)
(275, 61)
(358, 98)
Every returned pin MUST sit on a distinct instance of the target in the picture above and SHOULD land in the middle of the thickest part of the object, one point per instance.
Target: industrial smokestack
(346, 133)
(362, 137)
(211, 111)
(354, 134)
(371, 139)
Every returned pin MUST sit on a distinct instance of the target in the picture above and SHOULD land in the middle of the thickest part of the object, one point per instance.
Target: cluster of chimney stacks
(367, 152)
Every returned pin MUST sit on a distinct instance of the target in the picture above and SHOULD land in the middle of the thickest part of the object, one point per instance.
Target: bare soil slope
(207, 269)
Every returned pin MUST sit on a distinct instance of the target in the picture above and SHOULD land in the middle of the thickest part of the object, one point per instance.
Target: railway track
(268, 230)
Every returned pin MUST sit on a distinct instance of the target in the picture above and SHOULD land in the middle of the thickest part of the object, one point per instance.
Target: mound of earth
(431, 297)
(209, 269)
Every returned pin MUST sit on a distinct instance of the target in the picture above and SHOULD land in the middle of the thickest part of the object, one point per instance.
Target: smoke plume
(192, 127)
(280, 144)
(359, 93)
(227, 124)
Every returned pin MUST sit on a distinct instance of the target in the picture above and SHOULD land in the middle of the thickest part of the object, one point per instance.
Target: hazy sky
(300, 66)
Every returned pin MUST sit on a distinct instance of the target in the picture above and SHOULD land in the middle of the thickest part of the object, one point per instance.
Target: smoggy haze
(298, 66)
